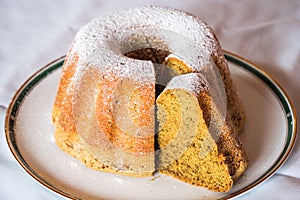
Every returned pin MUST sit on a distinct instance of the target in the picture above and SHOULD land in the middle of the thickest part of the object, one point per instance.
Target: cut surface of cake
(115, 74)
(195, 147)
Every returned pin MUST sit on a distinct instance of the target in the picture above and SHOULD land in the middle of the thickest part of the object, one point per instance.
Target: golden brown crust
(231, 147)
(235, 106)
(69, 142)
(63, 99)
(229, 144)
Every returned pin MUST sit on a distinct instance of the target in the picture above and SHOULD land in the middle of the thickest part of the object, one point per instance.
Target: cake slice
(196, 144)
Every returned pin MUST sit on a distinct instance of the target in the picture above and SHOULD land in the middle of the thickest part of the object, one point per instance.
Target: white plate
(269, 137)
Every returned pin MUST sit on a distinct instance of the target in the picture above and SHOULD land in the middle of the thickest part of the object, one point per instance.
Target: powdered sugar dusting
(192, 82)
(104, 40)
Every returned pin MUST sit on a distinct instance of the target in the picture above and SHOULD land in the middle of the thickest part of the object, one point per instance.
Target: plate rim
(274, 86)
(10, 117)
(291, 116)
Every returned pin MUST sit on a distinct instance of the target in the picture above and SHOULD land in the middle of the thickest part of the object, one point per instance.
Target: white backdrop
(33, 33)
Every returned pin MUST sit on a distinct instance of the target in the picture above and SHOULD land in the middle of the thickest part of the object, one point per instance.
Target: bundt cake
(115, 74)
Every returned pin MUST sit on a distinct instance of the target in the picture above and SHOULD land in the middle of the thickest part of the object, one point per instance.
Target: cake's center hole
(156, 56)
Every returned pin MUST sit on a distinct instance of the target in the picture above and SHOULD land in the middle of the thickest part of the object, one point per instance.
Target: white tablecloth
(32, 33)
